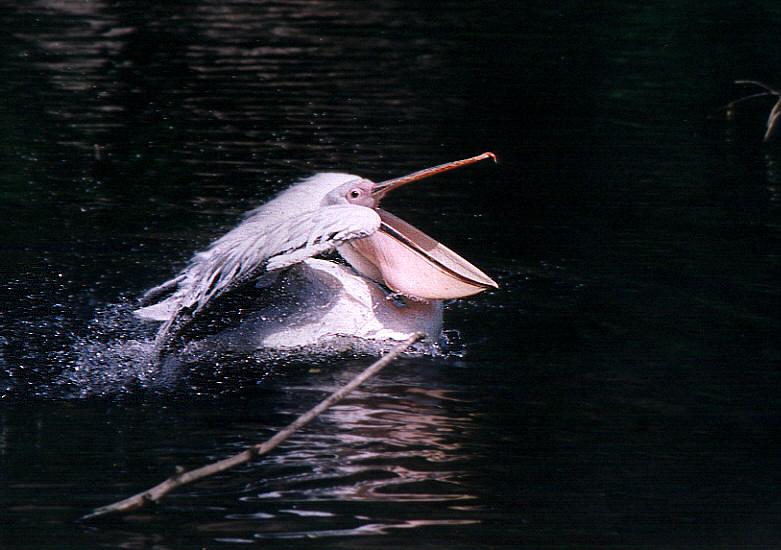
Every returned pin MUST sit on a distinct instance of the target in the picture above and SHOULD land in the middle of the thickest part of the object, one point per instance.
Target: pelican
(394, 282)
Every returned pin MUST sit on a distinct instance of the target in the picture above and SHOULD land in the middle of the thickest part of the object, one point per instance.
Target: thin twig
(184, 477)
(731, 104)
(773, 91)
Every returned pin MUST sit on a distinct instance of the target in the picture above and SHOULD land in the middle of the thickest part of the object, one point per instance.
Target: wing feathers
(254, 247)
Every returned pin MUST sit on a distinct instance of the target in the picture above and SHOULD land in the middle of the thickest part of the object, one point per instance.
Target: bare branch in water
(775, 114)
(772, 120)
(182, 477)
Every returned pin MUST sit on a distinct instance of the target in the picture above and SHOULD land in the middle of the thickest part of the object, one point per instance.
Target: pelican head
(401, 256)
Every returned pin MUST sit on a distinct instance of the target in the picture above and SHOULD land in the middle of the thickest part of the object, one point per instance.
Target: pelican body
(392, 286)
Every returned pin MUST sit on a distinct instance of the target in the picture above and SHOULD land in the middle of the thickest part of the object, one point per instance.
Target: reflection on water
(238, 82)
(387, 446)
(402, 432)
(373, 529)
(396, 455)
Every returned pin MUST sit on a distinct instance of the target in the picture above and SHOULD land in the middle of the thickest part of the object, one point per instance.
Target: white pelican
(393, 286)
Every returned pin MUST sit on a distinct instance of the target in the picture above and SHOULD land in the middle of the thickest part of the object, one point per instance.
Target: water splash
(117, 357)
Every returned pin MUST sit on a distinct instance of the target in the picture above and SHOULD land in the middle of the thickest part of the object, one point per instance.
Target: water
(619, 390)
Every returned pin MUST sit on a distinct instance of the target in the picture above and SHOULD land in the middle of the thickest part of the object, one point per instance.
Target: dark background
(619, 390)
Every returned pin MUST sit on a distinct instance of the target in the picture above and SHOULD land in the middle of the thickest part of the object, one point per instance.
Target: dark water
(620, 389)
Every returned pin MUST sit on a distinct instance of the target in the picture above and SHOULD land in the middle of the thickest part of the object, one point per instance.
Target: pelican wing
(329, 227)
(246, 252)
(252, 247)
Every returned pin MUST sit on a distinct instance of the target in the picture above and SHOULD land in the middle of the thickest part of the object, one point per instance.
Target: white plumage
(270, 234)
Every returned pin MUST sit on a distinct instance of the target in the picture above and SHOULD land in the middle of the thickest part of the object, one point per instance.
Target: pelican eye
(355, 193)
